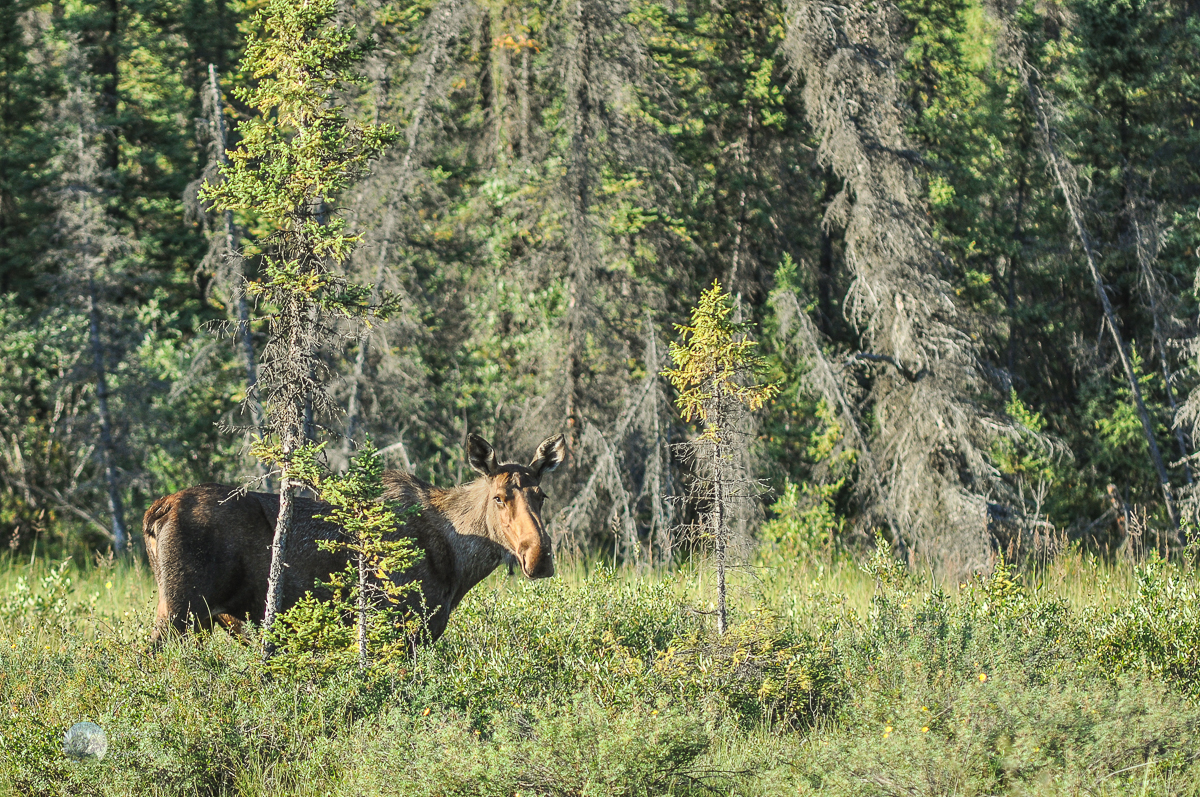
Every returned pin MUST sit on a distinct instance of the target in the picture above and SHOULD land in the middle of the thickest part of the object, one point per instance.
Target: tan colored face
(514, 516)
(514, 503)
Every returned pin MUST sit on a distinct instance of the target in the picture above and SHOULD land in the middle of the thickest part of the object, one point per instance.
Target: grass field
(840, 677)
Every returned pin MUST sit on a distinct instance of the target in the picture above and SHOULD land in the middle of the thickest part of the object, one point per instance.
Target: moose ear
(550, 454)
(481, 456)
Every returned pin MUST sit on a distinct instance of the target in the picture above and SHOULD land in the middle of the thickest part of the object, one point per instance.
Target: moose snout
(536, 558)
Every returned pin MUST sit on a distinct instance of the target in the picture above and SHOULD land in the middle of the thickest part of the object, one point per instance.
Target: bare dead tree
(444, 24)
(386, 384)
(1143, 216)
(933, 481)
(1043, 106)
(843, 395)
(604, 61)
(615, 489)
(88, 246)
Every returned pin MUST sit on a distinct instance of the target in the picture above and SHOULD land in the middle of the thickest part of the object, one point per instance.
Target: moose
(209, 545)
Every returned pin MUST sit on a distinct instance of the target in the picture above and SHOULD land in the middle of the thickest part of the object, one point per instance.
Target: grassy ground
(839, 677)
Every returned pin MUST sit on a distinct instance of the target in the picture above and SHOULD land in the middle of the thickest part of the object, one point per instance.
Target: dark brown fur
(209, 545)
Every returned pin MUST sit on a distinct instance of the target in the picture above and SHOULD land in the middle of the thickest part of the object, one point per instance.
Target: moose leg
(177, 617)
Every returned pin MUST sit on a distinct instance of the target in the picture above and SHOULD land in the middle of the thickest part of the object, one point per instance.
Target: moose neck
(477, 551)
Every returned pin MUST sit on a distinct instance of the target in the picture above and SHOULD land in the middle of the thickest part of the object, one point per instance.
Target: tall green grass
(839, 677)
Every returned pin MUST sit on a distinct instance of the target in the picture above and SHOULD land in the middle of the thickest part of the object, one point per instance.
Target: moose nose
(536, 561)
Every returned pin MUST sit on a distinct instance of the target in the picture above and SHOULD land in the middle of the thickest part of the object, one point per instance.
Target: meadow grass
(839, 677)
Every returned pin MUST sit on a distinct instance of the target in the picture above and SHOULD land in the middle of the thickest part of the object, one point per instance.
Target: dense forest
(966, 234)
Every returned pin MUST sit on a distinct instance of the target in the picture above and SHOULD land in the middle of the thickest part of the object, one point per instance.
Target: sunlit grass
(893, 673)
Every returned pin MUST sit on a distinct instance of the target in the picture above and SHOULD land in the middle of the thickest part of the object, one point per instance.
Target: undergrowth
(836, 678)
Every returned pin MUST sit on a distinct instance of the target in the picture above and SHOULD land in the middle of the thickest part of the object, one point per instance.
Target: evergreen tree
(311, 634)
(295, 156)
(716, 373)
(90, 251)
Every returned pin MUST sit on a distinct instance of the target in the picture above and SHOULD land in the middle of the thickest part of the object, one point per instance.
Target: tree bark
(717, 515)
(107, 451)
(238, 283)
(362, 608)
(283, 527)
(292, 316)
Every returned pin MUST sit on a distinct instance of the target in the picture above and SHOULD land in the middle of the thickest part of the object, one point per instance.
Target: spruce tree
(296, 155)
(312, 635)
(716, 373)
(90, 250)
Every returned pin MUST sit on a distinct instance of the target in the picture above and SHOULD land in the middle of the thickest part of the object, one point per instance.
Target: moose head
(513, 499)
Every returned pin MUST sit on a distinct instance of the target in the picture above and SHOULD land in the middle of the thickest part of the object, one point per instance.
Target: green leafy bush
(1157, 630)
(578, 747)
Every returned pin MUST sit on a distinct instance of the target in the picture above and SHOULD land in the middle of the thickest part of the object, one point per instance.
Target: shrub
(578, 747)
(1157, 630)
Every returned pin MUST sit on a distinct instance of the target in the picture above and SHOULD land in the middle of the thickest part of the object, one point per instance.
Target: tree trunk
(440, 33)
(283, 527)
(362, 609)
(1064, 175)
(109, 65)
(107, 452)
(1060, 170)
(291, 318)
(1126, 362)
(526, 88)
(1010, 297)
(717, 515)
(1147, 253)
(578, 78)
(238, 283)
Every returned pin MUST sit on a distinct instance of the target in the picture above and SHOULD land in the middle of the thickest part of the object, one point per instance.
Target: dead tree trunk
(1064, 175)
(441, 32)
(116, 509)
(717, 517)
(236, 265)
(283, 527)
(1146, 246)
(579, 113)
(295, 343)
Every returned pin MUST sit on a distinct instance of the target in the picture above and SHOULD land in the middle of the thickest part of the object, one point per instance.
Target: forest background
(920, 204)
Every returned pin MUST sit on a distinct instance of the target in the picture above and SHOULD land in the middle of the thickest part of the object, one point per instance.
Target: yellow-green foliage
(312, 639)
(804, 525)
(716, 359)
(299, 149)
(766, 672)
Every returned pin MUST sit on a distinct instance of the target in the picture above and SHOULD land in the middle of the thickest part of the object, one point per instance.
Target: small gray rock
(85, 741)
